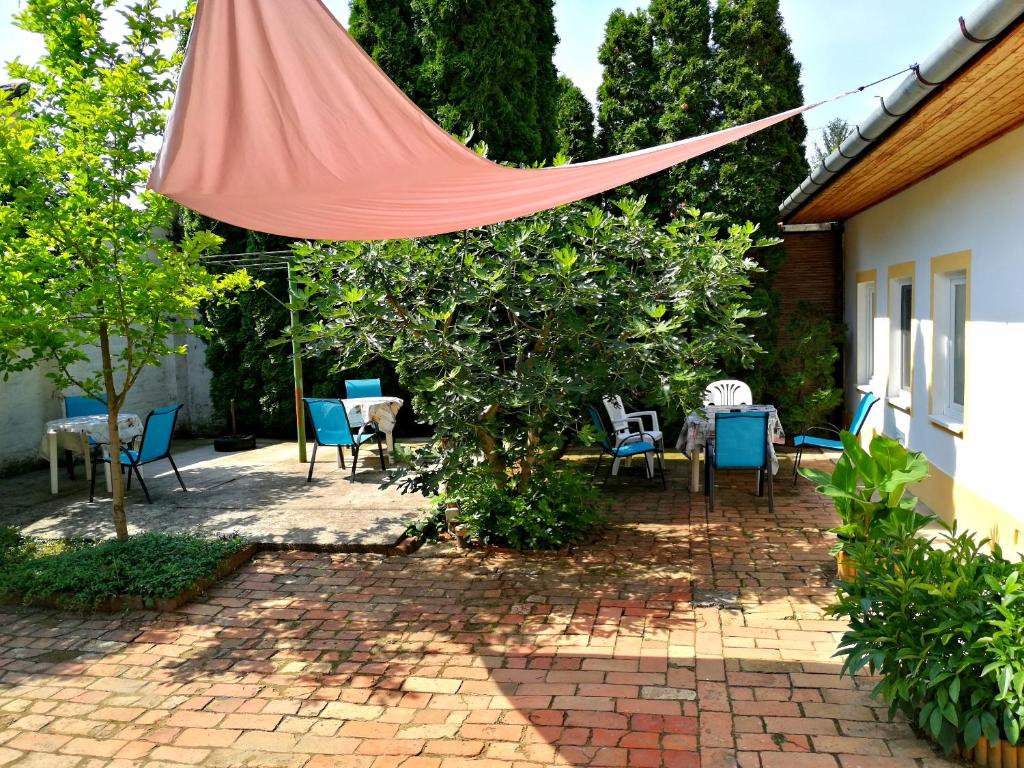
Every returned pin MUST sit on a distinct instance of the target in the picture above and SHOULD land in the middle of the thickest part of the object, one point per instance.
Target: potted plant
(866, 486)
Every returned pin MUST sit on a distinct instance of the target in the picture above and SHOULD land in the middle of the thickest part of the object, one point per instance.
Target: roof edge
(987, 22)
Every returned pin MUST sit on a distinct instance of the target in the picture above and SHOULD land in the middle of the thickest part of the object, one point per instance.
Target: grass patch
(83, 575)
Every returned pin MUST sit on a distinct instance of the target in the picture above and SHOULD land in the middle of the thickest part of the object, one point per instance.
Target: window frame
(949, 272)
(867, 310)
(900, 276)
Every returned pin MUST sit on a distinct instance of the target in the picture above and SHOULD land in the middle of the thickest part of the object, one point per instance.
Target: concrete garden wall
(29, 399)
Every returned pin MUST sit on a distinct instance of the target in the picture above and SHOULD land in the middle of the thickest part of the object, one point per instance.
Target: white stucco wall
(29, 399)
(975, 205)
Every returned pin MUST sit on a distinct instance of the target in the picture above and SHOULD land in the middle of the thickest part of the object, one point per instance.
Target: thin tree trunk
(113, 410)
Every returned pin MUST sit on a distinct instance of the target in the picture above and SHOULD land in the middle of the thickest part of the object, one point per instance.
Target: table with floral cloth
(700, 426)
(382, 411)
(74, 434)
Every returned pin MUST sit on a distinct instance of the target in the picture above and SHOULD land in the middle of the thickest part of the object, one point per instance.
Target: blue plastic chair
(640, 443)
(833, 443)
(80, 405)
(155, 445)
(740, 442)
(363, 388)
(331, 428)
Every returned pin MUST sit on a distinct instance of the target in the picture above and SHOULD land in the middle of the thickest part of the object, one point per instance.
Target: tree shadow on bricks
(595, 658)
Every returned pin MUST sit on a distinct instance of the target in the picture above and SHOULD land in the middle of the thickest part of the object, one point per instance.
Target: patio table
(700, 427)
(73, 434)
(379, 410)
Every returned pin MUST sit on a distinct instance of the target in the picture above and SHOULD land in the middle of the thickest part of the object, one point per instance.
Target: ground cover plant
(83, 574)
(939, 618)
(504, 334)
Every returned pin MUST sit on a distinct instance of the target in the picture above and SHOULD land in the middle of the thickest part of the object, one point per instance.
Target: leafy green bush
(83, 575)
(505, 333)
(803, 385)
(868, 486)
(558, 508)
(942, 625)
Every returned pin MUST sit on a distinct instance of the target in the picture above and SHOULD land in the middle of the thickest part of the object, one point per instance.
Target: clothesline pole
(300, 416)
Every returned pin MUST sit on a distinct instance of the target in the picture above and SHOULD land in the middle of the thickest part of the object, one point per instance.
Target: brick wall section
(812, 271)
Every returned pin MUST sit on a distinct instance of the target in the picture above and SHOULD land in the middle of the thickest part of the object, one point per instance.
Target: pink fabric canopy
(283, 124)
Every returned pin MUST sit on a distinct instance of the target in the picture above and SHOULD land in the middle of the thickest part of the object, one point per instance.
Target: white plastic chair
(728, 392)
(627, 427)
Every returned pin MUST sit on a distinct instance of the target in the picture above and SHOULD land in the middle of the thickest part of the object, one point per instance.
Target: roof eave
(986, 23)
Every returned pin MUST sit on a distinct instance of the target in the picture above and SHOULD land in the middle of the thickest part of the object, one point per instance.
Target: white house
(928, 195)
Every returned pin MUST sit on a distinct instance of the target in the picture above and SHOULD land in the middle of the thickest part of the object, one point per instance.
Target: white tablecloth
(380, 410)
(700, 425)
(70, 431)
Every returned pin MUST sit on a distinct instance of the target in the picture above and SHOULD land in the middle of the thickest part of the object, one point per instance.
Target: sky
(840, 44)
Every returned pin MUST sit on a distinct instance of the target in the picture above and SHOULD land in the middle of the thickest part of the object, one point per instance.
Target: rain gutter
(987, 22)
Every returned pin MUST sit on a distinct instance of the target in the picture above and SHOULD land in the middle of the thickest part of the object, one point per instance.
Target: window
(906, 341)
(865, 332)
(950, 341)
(901, 356)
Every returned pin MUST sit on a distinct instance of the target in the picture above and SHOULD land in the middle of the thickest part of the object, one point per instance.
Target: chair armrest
(643, 436)
(829, 430)
(652, 415)
(628, 424)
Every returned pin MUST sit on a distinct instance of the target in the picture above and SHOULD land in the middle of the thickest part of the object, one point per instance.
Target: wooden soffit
(980, 104)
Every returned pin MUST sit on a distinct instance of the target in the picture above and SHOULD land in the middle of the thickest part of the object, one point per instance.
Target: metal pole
(300, 416)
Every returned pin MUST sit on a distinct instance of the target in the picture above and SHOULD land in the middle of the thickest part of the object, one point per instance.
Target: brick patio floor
(675, 640)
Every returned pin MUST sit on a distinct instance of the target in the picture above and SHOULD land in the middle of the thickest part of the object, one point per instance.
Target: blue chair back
(77, 405)
(600, 426)
(741, 440)
(156, 437)
(863, 409)
(330, 422)
(362, 388)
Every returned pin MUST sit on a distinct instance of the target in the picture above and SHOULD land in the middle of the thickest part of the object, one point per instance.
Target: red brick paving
(678, 639)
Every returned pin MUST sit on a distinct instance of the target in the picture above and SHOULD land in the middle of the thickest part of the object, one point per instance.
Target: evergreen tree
(656, 89)
(832, 135)
(757, 76)
(682, 52)
(628, 97)
(489, 65)
(574, 123)
(386, 30)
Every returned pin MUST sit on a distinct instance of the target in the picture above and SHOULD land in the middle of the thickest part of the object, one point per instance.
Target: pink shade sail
(282, 124)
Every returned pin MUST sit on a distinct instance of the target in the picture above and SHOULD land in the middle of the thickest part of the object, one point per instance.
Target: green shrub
(942, 625)
(560, 507)
(940, 621)
(83, 575)
(868, 486)
(803, 385)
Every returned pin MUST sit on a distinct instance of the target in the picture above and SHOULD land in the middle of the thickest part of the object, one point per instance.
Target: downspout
(975, 31)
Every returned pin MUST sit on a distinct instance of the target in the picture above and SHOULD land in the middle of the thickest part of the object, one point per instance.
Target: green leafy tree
(757, 76)
(832, 135)
(504, 333)
(574, 122)
(628, 97)
(488, 65)
(656, 88)
(84, 264)
(682, 52)
(386, 29)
